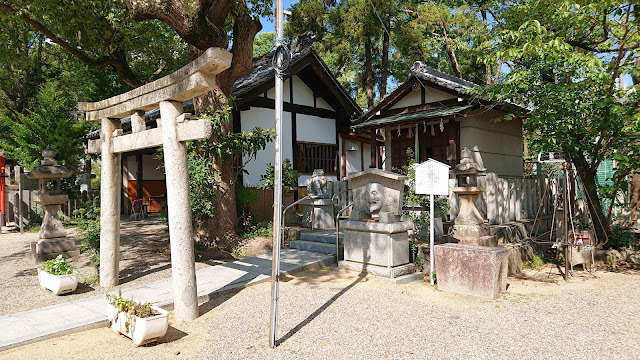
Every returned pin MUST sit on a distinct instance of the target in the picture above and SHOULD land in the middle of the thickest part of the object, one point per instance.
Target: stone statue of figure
(318, 185)
(374, 198)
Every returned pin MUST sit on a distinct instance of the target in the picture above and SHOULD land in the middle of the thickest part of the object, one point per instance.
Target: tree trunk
(368, 59)
(634, 197)
(384, 71)
(588, 179)
(452, 55)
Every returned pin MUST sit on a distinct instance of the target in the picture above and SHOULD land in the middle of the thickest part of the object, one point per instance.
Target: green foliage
(57, 266)
(253, 229)
(47, 123)
(131, 307)
(289, 177)
(411, 199)
(204, 179)
(264, 43)
(537, 262)
(565, 59)
(89, 228)
(620, 238)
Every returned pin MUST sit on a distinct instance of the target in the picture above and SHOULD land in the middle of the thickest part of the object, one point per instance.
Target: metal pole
(277, 194)
(19, 178)
(565, 227)
(431, 236)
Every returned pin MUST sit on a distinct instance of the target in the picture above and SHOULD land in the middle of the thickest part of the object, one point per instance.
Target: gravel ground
(144, 258)
(329, 314)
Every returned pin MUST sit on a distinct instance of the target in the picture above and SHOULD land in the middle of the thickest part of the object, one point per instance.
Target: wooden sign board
(432, 178)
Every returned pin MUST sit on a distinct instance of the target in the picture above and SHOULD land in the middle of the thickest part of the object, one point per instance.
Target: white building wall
(414, 97)
(149, 168)
(315, 129)
(265, 118)
(353, 157)
(497, 146)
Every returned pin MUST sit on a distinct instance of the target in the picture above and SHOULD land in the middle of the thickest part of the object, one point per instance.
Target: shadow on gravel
(319, 311)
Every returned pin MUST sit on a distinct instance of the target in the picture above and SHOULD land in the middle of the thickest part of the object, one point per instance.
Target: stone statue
(318, 185)
(374, 198)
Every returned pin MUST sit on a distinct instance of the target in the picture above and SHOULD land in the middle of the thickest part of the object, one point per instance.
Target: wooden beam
(289, 107)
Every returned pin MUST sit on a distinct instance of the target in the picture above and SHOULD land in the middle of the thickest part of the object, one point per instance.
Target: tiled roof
(416, 116)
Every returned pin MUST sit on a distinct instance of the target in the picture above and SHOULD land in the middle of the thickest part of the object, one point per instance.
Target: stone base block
(46, 249)
(387, 272)
(472, 270)
(382, 244)
(322, 214)
(491, 241)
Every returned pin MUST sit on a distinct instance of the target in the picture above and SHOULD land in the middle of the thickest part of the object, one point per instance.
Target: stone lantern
(469, 227)
(52, 238)
(476, 265)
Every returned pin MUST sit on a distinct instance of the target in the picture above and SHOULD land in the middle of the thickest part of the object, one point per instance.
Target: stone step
(327, 237)
(316, 247)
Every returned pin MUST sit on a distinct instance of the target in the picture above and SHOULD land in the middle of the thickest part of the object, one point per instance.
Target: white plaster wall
(411, 99)
(315, 129)
(271, 93)
(265, 118)
(322, 104)
(366, 155)
(497, 146)
(414, 97)
(302, 95)
(149, 168)
(353, 157)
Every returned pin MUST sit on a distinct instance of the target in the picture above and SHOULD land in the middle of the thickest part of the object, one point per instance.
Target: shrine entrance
(173, 129)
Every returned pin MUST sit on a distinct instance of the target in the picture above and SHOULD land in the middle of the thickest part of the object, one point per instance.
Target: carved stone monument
(376, 240)
(318, 211)
(52, 238)
(476, 265)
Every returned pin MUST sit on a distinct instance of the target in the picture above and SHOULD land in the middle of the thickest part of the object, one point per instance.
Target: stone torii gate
(174, 128)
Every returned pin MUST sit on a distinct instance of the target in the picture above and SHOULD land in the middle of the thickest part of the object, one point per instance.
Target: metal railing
(338, 231)
(292, 205)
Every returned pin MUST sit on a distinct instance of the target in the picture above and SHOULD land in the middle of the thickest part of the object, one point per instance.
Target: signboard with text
(432, 178)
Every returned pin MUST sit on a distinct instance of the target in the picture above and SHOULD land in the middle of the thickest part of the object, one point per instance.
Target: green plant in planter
(131, 308)
(57, 266)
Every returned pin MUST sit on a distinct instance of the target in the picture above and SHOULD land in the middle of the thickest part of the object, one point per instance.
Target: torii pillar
(173, 130)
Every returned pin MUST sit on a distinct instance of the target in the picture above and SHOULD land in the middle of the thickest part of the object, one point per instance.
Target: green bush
(619, 238)
(89, 228)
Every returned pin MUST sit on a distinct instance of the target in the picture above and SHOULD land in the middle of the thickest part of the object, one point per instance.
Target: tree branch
(117, 59)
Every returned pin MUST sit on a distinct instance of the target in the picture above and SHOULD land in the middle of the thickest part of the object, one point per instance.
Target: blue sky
(269, 25)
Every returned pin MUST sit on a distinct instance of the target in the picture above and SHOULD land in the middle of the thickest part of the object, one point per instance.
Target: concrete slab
(52, 321)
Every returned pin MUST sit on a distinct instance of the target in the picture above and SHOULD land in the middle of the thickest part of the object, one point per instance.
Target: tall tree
(102, 34)
(566, 60)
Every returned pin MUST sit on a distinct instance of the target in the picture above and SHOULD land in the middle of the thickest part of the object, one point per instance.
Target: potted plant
(58, 276)
(141, 322)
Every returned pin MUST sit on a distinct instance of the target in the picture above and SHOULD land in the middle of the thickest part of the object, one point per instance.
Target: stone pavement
(52, 321)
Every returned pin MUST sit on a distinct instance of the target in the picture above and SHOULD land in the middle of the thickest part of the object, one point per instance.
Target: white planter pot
(59, 284)
(140, 330)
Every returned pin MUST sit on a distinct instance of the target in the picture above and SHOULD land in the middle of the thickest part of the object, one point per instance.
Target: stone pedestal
(322, 213)
(46, 249)
(471, 270)
(379, 248)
